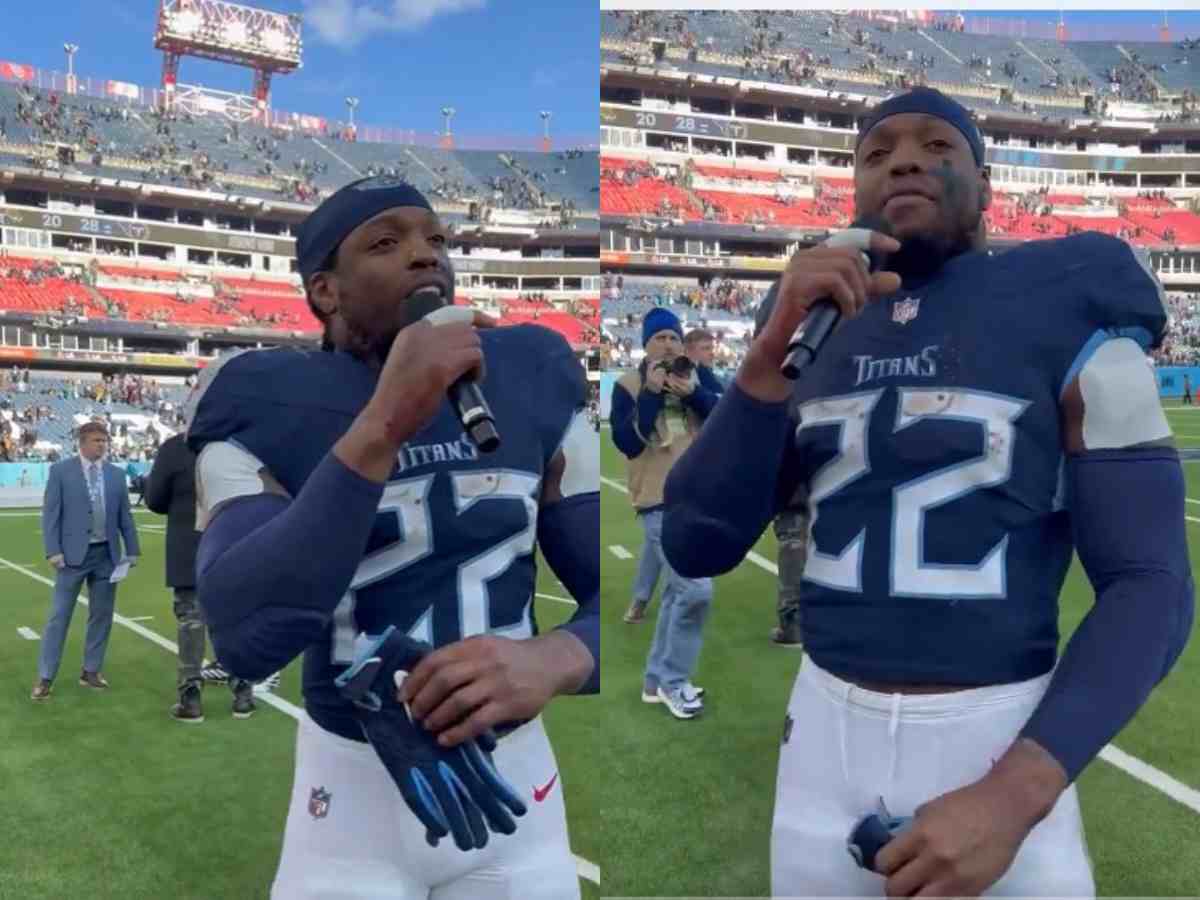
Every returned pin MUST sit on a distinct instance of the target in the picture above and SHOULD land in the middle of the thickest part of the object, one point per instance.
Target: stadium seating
(1052, 75)
(253, 160)
(48, 391)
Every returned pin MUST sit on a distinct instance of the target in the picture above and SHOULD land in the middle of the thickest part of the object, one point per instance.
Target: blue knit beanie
(660, 319)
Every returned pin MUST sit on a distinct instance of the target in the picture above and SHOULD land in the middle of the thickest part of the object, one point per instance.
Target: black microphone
(465, 396)
(824, 314)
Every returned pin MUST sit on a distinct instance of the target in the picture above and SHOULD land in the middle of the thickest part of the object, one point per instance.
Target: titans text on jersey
(932, 448)
(451, 554)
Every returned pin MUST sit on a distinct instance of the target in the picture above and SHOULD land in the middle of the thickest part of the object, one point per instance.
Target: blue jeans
(649, 568)
(95, 570)
(679, 633)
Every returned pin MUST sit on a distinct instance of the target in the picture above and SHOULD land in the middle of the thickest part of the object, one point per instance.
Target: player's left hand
(958, 844)
(462, 689)
(680, 386)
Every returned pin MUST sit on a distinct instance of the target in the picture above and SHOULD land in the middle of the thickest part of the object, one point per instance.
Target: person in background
(171, 491)
(85, 519)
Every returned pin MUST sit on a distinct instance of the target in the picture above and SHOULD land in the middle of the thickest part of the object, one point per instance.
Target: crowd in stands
(822, 50)
(28, 417)
(637, 297)
(1182, 345)
(171, 146)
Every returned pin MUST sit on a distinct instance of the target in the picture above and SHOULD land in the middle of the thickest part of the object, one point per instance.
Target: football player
(348, 515)
(974, 420)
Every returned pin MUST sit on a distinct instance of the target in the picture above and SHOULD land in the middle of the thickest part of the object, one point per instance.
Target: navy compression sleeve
(726, 487)
(569, 536)
(1127, 510)
(271, 571)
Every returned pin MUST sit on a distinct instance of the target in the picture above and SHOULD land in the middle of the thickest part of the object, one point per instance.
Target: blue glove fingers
(469, 802)
(456, 816)
(485, 798)
(419, 796)
(872, 834)
(487, 741)
(482, 763)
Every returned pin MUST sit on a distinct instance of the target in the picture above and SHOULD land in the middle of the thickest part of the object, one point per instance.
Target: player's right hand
(424, 361)
(57, 561)
(838, 273)
(656, 378)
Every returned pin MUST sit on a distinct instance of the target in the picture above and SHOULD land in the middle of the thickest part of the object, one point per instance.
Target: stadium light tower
(259, 39)
(448, 138)
(545, 114)
(71, 50)
(352, 105)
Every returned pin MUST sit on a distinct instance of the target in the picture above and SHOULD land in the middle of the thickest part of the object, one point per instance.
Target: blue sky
(497, 62)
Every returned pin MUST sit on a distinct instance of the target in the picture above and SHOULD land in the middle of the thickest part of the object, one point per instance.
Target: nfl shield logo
(318, 803)
(906, 310)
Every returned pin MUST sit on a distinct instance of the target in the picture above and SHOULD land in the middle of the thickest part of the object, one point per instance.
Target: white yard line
(36, 514)
(566, 600)
(1111, 754)
(28, 633)
(1147, 774)
(615, 485)
(619, 552)
(585, 868)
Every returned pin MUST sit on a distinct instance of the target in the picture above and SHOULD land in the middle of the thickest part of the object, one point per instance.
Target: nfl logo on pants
(318, 803)
(906, 310)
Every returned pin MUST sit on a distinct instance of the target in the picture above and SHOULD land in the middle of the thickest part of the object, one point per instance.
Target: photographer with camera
(657, 410)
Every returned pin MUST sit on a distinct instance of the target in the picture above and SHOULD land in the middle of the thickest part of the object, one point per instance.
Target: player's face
(380, 264)
(664, 345)
(918, 173)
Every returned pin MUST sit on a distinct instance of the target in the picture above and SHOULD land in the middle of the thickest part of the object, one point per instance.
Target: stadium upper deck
(840, 53)
(117, 139)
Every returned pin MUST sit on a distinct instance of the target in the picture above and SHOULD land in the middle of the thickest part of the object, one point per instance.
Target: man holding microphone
(350, 513)
(973, 421)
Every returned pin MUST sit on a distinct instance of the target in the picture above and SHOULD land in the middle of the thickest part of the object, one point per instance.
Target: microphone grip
(475, 414)
(802, 349)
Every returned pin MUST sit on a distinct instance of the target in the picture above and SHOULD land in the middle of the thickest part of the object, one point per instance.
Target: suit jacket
(67, 513)
(171, 491)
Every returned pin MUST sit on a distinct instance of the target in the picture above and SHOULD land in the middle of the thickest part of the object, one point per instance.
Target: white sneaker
(692, 694)
(678, 706)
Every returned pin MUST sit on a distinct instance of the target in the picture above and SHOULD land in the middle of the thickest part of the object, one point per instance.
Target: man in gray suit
(85, 517)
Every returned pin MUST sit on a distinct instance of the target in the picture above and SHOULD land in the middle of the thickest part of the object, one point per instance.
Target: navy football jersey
(451, 554)
(930, 438)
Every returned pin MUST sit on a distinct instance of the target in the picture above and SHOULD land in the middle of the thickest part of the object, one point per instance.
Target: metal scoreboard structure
(259, 39)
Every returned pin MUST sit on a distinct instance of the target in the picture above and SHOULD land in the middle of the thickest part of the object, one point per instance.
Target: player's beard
(922, 255)
(376, 344)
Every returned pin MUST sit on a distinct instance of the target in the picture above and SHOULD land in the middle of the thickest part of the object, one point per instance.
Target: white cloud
(347, 23)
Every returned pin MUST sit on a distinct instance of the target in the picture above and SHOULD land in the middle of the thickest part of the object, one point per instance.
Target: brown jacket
(648, 470)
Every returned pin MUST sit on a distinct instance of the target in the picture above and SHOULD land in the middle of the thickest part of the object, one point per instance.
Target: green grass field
(105, 796)
(689, 804)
